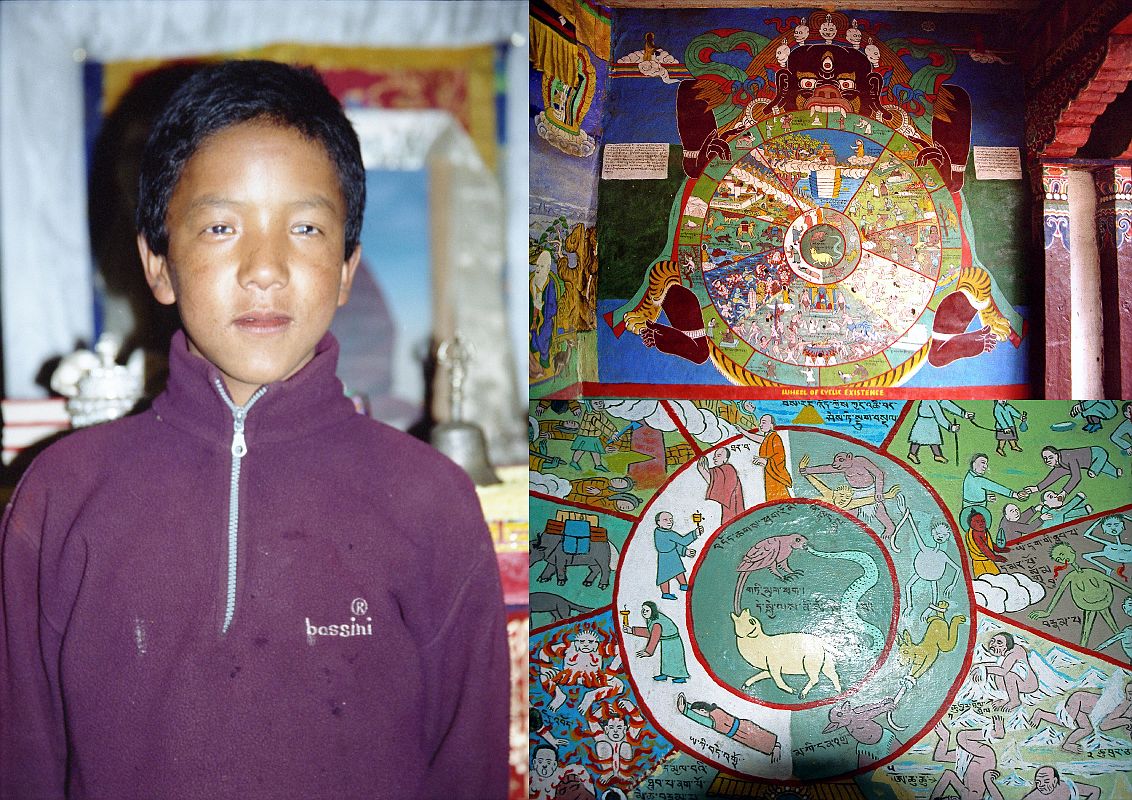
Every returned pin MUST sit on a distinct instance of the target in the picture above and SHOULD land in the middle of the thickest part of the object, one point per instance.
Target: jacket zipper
(239, 450)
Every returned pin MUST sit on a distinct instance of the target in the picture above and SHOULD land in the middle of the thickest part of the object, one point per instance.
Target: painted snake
(850, 616)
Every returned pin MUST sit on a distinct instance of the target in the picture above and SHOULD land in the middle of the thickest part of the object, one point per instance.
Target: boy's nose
(264, 265)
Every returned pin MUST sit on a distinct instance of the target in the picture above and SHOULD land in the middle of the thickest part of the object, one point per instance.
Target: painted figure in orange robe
(772, 458)
(980, 546)
(723, 484)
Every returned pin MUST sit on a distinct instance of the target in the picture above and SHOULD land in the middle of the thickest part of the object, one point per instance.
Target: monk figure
(723, 484)
(772, 458)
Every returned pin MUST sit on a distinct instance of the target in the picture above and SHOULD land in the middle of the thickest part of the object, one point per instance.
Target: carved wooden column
(1114, 244)
(1058, 285)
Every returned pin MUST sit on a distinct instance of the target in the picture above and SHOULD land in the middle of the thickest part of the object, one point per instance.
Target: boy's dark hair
(221, 95)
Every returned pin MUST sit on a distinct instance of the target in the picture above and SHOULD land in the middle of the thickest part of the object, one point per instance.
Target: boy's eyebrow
(315, 200)
(219, 201)
(211, 201)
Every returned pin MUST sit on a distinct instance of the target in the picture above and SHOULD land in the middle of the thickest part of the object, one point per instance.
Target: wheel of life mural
(876, 600)
(777, 653)
(821, 244)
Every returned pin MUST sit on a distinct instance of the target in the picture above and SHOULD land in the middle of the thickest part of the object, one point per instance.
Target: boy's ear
(157, 273)
(349, 267)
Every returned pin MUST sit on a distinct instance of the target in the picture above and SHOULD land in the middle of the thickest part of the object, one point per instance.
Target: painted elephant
(601, 560)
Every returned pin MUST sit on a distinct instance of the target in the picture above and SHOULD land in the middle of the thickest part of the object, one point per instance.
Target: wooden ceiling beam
(935, 6)
(1075, 124)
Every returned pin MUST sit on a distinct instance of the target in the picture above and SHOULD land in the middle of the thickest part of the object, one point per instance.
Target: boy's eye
(219, 229)
(305, 230)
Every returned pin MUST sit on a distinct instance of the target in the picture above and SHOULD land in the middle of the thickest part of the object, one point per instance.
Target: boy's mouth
(262, 322)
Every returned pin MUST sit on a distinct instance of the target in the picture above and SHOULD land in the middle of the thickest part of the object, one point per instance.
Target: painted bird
(771, 553)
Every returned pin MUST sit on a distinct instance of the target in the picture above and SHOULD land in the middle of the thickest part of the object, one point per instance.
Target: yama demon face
(828, 78)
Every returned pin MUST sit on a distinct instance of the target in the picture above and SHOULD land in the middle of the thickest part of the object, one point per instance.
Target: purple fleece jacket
(366, 655)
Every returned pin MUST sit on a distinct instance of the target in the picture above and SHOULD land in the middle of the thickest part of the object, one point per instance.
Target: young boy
(249, 590)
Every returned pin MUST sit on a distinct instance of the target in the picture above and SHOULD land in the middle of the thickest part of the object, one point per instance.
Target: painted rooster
(771, 553)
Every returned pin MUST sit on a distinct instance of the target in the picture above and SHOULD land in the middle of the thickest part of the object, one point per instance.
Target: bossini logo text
(359, 624)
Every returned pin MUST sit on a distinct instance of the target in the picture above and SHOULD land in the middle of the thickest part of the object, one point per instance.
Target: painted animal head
(904, 644)
(747, 626)
(907, 649)
(840, 715)
(794, 541)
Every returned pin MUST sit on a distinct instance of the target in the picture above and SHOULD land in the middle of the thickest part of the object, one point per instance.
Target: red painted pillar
(1114, 245)
(1058, 284)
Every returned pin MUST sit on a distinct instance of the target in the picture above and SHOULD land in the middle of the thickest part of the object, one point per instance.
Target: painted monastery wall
(768, 559)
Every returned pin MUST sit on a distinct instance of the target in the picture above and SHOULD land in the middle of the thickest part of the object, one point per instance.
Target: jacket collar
(308, 401)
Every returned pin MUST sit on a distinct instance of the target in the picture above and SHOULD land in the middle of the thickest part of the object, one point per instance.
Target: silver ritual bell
(461, 441)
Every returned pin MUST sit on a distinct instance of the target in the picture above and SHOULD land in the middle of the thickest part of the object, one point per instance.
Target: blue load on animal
(574, 539)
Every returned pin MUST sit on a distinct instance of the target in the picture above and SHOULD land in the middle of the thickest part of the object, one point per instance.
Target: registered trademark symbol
(359, 606)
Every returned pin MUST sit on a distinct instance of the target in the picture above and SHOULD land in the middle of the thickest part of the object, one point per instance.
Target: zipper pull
(239, 416)
(239, 445)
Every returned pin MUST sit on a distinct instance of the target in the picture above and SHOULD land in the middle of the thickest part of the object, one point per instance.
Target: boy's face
(255, 261)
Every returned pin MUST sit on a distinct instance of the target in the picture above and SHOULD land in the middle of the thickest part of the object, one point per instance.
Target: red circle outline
(956, 684)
